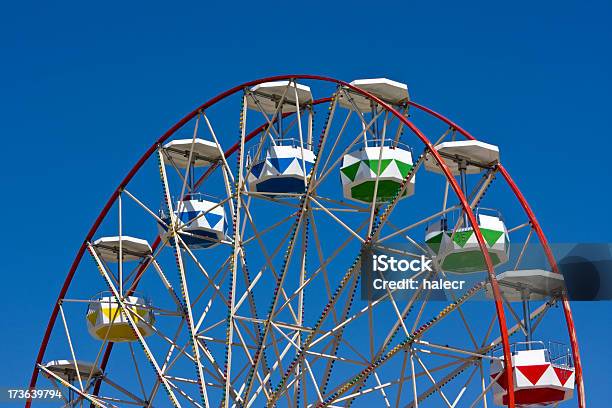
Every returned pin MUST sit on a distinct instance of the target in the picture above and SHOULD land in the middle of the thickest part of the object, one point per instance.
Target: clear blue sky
(86, 87)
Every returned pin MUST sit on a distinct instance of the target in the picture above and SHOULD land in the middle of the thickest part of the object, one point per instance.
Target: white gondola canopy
(202, 152)
(475, 155)
(392, 92)
(132, 249)
(267, 96)
(528, 284)
(67, 369)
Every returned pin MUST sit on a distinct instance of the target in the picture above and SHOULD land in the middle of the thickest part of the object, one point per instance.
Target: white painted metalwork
(270, 313)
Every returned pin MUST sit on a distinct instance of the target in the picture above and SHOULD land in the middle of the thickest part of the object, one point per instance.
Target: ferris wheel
(225, 269)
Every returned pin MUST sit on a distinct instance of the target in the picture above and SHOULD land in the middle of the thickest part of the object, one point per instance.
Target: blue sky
(86, 88)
